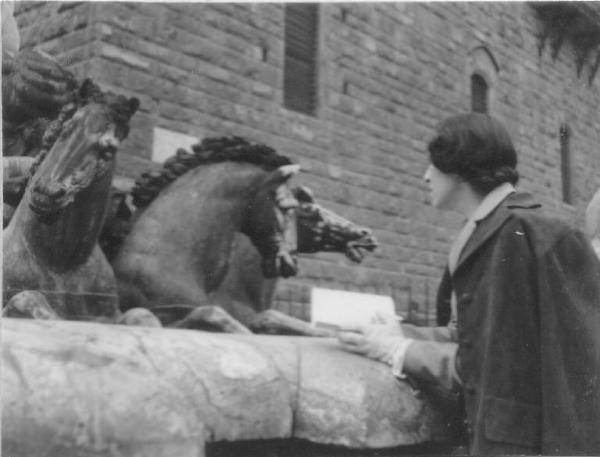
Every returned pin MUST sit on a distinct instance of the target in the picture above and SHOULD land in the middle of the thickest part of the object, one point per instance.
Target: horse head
(270, 222)
(82, 150)
(320, 229)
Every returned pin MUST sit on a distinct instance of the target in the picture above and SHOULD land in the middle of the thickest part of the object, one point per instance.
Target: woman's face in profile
(443, 187)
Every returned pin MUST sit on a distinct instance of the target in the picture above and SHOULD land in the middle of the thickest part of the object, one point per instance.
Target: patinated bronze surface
(178, 249)
(50, 244)
(245, 294)
(248, 296)
(244, 291)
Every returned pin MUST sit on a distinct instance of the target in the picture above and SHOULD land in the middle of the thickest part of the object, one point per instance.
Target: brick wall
(387, 74)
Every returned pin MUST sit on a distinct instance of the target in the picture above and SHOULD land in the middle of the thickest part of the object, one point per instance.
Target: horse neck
(244, 282)
(197, 217)
(68, 241)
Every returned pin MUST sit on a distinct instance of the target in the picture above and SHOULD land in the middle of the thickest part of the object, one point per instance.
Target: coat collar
(492, 223)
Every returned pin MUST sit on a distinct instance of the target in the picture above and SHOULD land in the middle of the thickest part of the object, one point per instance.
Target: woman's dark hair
(477, 148)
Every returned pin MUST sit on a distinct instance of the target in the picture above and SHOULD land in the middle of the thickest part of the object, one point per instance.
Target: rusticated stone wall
(387, 73)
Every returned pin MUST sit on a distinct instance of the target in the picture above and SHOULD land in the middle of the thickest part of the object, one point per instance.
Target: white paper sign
(334, 308)
(166, 142)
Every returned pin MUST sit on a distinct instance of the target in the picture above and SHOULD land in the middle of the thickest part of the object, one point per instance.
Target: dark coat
(528, 306)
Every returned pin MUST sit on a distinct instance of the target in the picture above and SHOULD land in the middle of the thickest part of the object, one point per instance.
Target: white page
(333, 308)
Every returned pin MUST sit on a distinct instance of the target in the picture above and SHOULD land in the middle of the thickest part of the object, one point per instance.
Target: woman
(521, 295)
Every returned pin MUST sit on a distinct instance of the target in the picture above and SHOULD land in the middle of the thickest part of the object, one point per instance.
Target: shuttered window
(300, 72)
(479, 94)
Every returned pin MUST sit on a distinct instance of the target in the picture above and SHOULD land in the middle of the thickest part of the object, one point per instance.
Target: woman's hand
(378, 340)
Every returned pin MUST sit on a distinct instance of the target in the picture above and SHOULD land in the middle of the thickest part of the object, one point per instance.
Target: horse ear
(87, 88)
(281, 175)
(303, 194)
(134, 104)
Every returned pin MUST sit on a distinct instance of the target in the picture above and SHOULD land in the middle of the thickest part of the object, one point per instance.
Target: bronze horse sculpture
(50, 244)
(245, 294)
(178, 249)
(34, 90)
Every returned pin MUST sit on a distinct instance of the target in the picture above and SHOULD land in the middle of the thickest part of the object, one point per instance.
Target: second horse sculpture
(179, 246)
(244, 290)
(245, 294)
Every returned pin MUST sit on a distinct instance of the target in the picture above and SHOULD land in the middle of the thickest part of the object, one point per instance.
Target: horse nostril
(55, 191)
(109, 140)
(365, 232)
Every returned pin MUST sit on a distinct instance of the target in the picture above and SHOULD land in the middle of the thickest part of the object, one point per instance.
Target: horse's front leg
(278, 323)
(30, 304)
(211, 318)
(139, 317)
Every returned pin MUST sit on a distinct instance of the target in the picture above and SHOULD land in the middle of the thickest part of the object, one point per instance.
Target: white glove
(379, 340)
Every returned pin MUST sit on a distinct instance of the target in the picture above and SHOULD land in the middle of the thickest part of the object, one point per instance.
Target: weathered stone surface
(72, 388)
(350, 401)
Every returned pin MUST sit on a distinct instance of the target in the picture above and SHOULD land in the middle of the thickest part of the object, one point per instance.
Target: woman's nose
(427, 174)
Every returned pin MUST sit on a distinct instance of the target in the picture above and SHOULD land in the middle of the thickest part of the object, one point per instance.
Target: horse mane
(151, 183)
(208, 151)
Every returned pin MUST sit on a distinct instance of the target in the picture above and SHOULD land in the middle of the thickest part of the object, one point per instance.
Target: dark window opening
(344, 15)
(565, 163)
(346, 88)
(479, 94)
(300, 72)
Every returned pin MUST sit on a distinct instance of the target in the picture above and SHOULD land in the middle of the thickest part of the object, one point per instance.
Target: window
(479, 94)
(565, 163)
(299, 73)
(481, 79)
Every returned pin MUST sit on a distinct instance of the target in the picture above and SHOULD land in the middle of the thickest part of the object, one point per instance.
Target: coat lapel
(491, 224)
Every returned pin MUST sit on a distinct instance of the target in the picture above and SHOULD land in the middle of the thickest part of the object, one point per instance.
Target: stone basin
(76, 389)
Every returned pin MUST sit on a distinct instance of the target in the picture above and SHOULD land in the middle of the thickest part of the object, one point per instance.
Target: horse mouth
(47, 208)
(284, 265)
(356, 250)
(49, 198)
